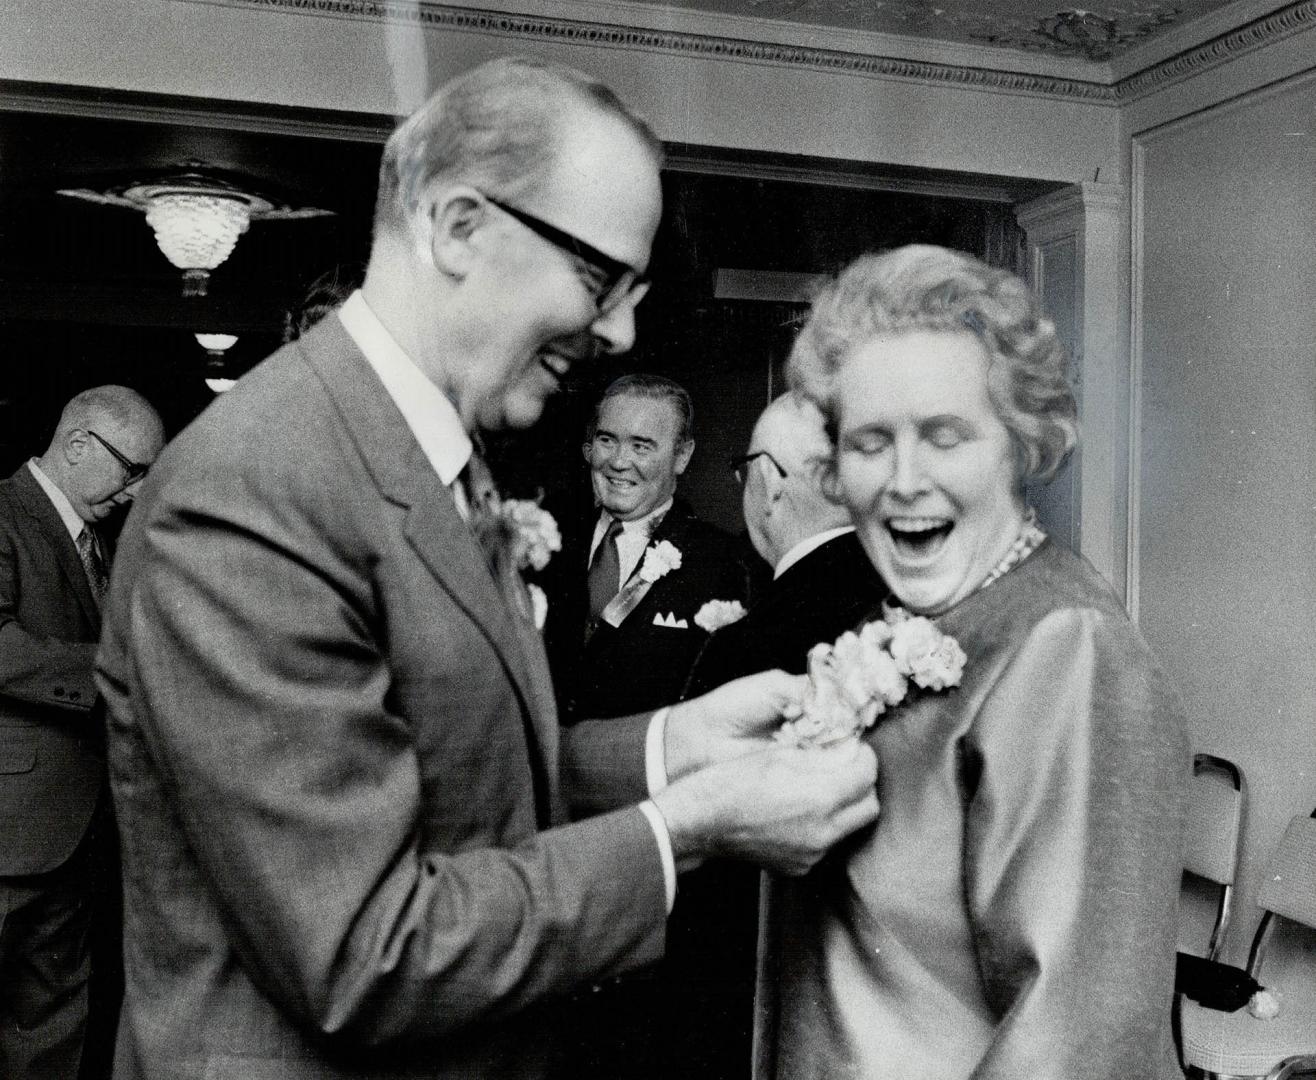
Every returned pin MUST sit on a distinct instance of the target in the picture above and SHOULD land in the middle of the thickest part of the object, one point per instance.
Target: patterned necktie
(605, 571)
(90, 554)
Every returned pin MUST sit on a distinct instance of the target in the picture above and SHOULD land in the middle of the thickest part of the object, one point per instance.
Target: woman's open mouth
(919, 538)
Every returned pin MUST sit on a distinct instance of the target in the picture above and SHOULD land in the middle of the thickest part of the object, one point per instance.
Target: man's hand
(782, 807)
(735, 719)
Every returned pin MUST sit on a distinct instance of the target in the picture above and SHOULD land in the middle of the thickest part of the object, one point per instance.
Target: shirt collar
(649, 522)
(67, 514)
(429, 414)
(804, 547)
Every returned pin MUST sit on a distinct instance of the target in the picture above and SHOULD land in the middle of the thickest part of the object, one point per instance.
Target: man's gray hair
(659, 388)
(498, 127)
(119, 406)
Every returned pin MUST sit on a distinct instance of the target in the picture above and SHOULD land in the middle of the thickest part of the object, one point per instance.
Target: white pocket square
(671, 620)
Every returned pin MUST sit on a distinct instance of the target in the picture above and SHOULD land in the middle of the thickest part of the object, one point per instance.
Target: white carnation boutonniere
(659, 559)
(716, 614)
(532, 532)
(863, 673)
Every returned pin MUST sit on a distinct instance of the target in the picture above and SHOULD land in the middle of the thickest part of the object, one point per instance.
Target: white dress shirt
(438, 429)
(633, 539)
(67, 514)
(803, 548)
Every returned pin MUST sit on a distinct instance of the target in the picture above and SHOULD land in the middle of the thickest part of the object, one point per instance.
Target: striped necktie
(89, 551)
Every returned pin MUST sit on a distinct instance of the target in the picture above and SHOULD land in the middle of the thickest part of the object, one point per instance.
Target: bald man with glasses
(336, 758)
(54, 569)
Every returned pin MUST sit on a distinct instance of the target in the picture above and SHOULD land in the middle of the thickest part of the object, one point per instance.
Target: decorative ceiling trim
(97, 103)
(1273, 28)
(430, 15)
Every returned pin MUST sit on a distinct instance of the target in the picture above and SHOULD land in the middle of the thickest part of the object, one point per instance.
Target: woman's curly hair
(921, 287)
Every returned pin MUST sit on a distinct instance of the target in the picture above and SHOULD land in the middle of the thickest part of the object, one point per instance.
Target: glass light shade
(218, 386)
(197, 231)
(216, 343)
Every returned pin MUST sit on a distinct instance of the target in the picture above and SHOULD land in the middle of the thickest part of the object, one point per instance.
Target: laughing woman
(1012, 913)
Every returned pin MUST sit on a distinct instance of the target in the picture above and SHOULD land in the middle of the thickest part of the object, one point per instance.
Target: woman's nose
(908, 477)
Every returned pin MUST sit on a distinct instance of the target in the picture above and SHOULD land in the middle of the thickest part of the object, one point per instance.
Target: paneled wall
(1225, 448)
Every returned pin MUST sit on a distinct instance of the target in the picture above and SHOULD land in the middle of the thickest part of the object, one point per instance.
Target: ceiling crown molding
(1295, 19)
(430, 15)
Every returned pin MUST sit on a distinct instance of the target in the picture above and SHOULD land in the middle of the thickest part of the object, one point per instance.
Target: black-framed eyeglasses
(740, 465)
(610, 280)
(135, 469)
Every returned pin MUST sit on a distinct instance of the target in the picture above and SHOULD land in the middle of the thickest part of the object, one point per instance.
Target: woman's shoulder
(1052, 585)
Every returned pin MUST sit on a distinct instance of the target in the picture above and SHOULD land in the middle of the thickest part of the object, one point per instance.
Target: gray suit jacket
(50, 744)
(334, 757)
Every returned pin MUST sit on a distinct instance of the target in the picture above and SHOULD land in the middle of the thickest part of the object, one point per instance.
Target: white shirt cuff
(655, 755)
(664, 839)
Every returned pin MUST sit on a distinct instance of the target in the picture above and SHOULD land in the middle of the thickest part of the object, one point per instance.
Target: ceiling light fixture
(197, 217)
(216, 344)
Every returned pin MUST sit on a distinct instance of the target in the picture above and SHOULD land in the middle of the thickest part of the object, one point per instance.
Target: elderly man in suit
(629, 584)
(823, 584)
(333, 744)
(53, 575)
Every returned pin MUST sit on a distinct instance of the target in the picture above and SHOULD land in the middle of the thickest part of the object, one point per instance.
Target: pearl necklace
(1029, 540)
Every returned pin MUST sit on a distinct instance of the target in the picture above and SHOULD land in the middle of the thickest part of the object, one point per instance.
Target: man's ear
(774, 484)
(75, 444)
(447, 221)
(585, 448)
(683, 454)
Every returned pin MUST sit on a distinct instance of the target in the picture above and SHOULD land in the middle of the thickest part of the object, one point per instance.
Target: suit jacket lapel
(51, 525)
(438, 534)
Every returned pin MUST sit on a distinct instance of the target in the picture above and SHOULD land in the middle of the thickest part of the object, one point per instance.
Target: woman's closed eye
(867, 441)
(946, 434)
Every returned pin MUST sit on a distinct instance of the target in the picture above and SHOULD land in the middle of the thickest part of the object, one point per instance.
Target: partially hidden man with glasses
(54, 570)
(823, 584)
(340, 780)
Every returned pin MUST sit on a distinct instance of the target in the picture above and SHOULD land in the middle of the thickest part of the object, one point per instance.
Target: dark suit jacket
(637, 665)
(713, 932)
(817, 599)
(50, 746)
(334, 756)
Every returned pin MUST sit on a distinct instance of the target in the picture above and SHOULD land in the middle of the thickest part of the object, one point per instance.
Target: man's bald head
(784, 510)
(103, 438)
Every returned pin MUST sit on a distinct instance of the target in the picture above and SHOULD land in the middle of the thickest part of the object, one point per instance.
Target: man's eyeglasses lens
(135, 470)
(609, 280)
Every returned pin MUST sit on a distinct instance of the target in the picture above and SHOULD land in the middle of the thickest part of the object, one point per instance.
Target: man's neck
(807, 546)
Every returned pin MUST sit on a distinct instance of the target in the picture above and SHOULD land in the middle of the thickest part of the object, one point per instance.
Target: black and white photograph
(657, 540)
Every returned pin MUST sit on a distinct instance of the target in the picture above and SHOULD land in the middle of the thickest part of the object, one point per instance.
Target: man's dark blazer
(615, 671)
(51, 763)
(713, 931)
(334, 756)
(817, 599)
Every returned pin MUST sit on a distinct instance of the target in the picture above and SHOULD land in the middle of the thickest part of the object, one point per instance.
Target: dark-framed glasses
(740, 465)
(135, 470)
(610, 280)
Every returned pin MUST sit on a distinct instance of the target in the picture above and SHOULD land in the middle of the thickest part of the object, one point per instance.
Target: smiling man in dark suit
(53, 572)
(632, 580)
(337, 766)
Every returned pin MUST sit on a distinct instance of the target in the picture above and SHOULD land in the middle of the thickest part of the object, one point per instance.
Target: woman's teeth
(919, 537)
